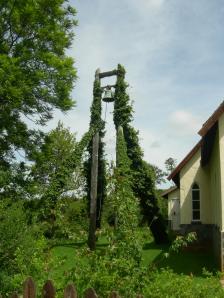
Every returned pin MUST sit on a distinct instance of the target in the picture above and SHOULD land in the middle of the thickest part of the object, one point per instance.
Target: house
(196, 203)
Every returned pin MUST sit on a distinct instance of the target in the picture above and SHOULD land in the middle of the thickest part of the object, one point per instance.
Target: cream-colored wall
(190, 173)
(171, 196)
(215, 183)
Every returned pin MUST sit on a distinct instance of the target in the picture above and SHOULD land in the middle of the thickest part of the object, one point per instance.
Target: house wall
(171, 196)
(190, 173)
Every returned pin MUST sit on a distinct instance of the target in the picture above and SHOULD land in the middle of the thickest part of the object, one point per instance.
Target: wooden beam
(108, 74)
(93, 192)
(93, 186)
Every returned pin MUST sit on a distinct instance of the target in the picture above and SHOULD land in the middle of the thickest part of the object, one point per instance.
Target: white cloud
(170, 49)
(184, 123)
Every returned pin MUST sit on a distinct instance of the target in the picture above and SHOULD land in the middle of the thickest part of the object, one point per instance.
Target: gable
(207, 133)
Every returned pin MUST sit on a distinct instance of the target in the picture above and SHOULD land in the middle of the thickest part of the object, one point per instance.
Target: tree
(36, 76)
(170, 165)
(56, 170)
(159, 174)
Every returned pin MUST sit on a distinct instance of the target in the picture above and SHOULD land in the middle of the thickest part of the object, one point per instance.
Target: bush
(71, 219)
(22, 248)
(167, 284)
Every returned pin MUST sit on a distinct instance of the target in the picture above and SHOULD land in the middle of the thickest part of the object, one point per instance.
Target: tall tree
(36, 76)
(56, 171)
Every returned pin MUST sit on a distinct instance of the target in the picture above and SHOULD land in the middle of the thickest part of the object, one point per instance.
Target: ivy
(97, 125)
(125, 205)
(143, 180)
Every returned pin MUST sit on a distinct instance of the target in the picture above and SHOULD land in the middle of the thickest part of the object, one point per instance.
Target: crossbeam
(108, 73)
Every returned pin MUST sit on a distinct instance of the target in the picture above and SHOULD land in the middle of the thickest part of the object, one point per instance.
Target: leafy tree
(170, 165)
(36, 76)
(159, 175)
(56, 169)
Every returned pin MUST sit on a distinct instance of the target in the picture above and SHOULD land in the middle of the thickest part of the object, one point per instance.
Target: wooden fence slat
(29, 289)
(48, 290)
(90, 293)
(70, 291)
(14, 295)
(114, 294)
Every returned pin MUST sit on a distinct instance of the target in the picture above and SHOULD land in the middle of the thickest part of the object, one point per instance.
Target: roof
(212, 120)
(168, 191)
(185, 160)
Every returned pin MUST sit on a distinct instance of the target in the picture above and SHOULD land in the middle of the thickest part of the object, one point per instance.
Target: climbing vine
(97, 124)
(125, 206)
(143, 184)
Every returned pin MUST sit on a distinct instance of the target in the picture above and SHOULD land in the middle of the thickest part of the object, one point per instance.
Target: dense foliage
(23, 249)
(142, 174)
(36, 76)
(97, 125)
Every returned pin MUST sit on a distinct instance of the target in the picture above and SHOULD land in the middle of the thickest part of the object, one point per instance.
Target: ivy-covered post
(143, 184)
(93, 192)
(94, 179)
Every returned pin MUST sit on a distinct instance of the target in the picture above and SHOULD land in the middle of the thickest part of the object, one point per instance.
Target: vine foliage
(97, 124)
(143, 184)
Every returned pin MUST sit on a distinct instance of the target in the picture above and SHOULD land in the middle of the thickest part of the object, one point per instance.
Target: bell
(108, 95)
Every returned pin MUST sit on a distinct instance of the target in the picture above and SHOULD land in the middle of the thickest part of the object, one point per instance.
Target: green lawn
(185, 262)
(189, 263)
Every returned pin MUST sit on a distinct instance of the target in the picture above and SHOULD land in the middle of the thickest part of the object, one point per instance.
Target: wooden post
(93, 192)
(90, 293)
(70, 292)
(94, 180)
(48, 290)
(29, 289)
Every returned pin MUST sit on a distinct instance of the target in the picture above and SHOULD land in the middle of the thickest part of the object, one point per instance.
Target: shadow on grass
(184, 262)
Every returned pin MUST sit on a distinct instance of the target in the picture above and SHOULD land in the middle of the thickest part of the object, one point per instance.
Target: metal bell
(108, 95)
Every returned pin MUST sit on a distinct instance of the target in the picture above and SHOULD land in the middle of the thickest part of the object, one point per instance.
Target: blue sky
(173, 53)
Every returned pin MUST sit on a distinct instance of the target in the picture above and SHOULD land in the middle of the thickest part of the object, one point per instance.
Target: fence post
(48, 290)
(90, 293)
(29, 289)
(14, 295)
(70, 291)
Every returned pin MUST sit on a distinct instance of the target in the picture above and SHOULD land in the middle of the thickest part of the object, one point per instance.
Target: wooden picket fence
(48, 291)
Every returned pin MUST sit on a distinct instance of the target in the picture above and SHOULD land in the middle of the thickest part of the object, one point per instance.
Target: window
(195, 202)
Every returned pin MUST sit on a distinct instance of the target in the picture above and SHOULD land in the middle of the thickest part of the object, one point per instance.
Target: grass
(185, 262)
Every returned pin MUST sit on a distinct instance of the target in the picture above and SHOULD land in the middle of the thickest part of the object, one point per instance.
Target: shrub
(22, 248)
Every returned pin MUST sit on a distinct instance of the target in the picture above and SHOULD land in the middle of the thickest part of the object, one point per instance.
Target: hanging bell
(108, 95)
